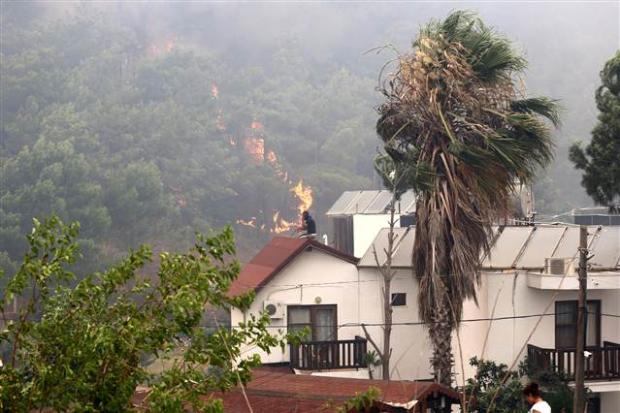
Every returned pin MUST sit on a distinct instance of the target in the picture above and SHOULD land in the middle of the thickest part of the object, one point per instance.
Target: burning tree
(302, 195)
(453, 112)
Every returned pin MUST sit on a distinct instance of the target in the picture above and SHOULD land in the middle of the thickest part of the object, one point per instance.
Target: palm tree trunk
(440, 332)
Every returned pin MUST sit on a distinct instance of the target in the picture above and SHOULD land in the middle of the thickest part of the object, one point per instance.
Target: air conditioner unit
(555, 266)
(274, 309)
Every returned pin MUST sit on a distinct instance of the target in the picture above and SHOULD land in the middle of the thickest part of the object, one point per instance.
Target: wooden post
(579, 397)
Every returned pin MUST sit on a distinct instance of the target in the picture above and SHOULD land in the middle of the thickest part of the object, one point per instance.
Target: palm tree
(455, 111)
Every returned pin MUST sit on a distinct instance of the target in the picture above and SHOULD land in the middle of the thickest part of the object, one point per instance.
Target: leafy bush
(79, 346)
(492, 378)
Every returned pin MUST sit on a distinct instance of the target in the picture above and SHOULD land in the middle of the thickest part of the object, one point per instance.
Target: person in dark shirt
(308, 226)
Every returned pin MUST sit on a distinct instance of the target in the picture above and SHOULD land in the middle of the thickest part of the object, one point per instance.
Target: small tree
(491, 377)
(78, 345)
(600, 160)
(488, 379)
(396, 178)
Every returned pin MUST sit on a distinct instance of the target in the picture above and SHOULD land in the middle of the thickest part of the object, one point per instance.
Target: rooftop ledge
(600, 280)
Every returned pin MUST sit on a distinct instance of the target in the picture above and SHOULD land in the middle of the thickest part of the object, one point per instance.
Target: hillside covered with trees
(148, 124)
(148, 140)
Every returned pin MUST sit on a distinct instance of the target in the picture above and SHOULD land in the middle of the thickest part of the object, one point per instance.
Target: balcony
(602, 365)
(328, 355)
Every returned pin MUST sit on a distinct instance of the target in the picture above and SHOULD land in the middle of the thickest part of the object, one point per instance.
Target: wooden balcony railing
(325, 355)
(602, 364)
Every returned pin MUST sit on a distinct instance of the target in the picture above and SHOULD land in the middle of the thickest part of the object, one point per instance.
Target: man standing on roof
(308, 226)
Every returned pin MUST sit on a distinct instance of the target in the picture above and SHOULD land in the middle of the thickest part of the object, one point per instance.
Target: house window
(399, 299)
(319, 319)
(566, 324)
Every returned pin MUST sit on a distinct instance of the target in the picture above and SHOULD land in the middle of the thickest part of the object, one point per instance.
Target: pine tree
(600, 160)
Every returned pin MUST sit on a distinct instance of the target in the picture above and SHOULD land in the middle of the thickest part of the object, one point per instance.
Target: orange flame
(250, 223)
(156, 49)
(281, 225)
(255, 147)
(304, 195)
(219, 121)
(272, 158)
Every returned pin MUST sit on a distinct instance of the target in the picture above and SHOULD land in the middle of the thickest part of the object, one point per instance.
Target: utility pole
(579, 397)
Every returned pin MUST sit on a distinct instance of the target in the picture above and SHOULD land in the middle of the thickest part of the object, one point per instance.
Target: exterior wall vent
(556, 266)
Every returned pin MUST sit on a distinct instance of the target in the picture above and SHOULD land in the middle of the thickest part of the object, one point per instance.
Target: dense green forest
(148, 140)
(147, 123)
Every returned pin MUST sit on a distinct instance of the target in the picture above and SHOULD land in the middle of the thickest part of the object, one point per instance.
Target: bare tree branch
(372, 342)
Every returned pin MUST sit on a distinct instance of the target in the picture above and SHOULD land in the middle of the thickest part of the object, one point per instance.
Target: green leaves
(490, 377)
(85, 346)
(600, 160)
(361, 402)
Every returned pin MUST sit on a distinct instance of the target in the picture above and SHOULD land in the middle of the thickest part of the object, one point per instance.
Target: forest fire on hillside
(304, 194)
(254, 146)
(161, 48)
(251, 223)
(281, 225)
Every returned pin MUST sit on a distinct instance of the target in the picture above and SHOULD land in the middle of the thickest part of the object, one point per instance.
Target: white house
(357, 216)
(528, 279)
(530, 271)
(304, 283)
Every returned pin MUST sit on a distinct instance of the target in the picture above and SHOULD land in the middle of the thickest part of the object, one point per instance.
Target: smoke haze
(155, 103)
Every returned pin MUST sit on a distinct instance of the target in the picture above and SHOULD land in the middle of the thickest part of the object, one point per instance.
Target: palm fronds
(454, 115)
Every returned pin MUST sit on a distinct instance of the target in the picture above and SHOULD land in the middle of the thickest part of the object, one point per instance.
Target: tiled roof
(274, 256)
(274, 392)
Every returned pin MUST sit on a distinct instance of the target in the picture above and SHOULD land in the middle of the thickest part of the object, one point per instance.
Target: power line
(307, 284)
(419, 323)
(319, 284)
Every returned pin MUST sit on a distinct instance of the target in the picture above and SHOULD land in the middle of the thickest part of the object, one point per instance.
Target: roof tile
(274, 256)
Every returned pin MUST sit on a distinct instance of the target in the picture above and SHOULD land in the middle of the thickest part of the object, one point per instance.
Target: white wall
(359, 299)
(411, 348)
(366, 228)
(610, 402)
(358, 296)
(507, 337)
(470, 339)
(291, 287)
